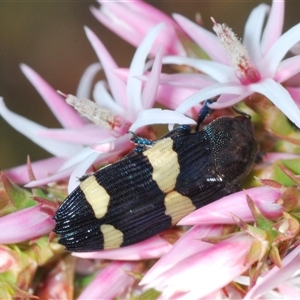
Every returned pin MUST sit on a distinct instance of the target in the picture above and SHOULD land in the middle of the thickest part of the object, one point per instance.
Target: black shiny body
(213, 163)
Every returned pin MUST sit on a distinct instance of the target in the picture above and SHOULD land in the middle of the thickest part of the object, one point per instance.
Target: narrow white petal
(217, 71)
(210, 92)
(134, 85)
(150, 89)
(253, 31)
(276, 93)
(159, 116)
(103, 98)
(31, 129)
(86, 82)
(278, 51)
(81, 169)
(77, 158)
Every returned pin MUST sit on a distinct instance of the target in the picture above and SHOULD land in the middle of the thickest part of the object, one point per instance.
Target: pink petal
(276, 276)
(64, 113)
(195, 81)
(219, 72)
(62, 175)
(116, 85)
(132, 20)
(204, 38)
(295, 94)
(271, 157)
(220, 211)
(86, 81)
(274, 25)
(30, 130)
(150, 89)
(151, 248)
(41, 169)
(180, 251)
(121, 143)
(276, 93)
(159, 116)
(253, 31)
(86, 135)
(111, 282)
(287, 68)
(116, 25)
(172, 96)
(24, 225)
(213, 268)
(289, 291)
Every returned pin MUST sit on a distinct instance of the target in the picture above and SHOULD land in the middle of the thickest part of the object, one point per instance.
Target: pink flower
(111, 282)
(238, 71)
(131, 20)
(203, 272)
(130, 102)
(24, 225)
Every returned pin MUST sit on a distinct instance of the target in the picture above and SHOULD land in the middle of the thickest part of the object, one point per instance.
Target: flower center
(237, 53)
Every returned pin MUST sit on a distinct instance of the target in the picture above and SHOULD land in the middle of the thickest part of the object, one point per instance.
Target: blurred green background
(48, 36)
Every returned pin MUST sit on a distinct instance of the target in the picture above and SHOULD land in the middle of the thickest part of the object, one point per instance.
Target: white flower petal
(81, 168)
(134, 85)
(159, 116)
(217, 71)
(85, 85)
(210, 92)
(30, 130)
(278, 51)
(253, 31)
(103, 98)
(76, 159)
(276, 93)
(150, 89)
(224, 101)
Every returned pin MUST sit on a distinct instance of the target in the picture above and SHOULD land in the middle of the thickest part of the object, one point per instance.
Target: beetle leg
(204, 112)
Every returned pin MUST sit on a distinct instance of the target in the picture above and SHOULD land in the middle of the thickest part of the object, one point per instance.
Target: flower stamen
(237, 54)
(99, 115)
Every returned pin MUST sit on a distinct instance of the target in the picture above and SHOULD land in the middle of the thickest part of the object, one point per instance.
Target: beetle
(157, 184)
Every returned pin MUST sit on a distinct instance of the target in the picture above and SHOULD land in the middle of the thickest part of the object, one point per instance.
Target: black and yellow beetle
(157, 184)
